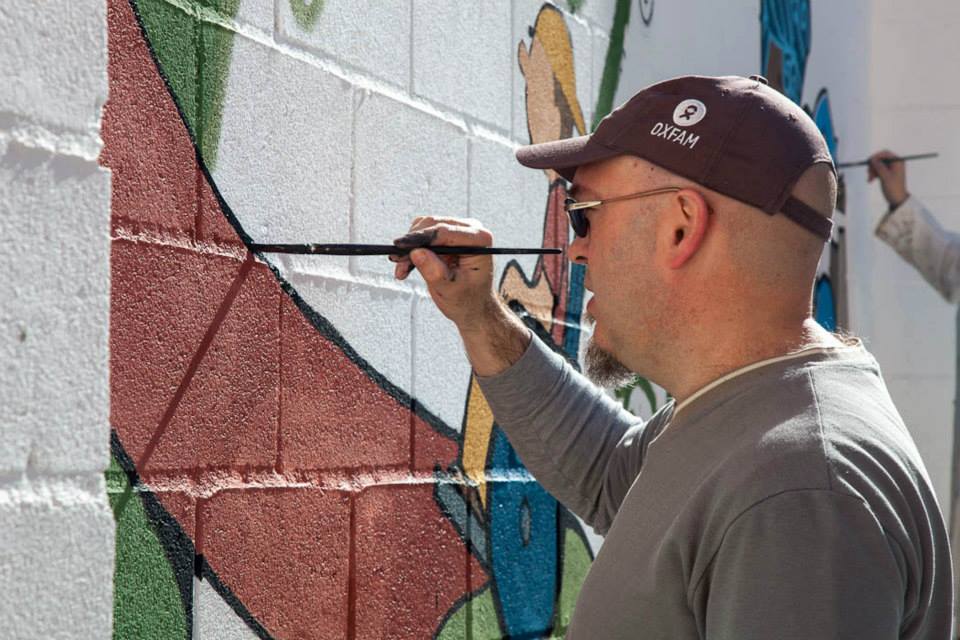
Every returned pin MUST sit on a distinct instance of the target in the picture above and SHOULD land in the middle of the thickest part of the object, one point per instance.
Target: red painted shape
(411, 565)
(556, 233)
(284, 553)
(164, 300)
(212, 225)
(182, 507)
(145, 146)
(431, 448)
(332, 414)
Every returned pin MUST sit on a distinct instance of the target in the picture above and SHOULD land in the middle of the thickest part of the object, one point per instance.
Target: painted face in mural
(553, 110)
(544, 117)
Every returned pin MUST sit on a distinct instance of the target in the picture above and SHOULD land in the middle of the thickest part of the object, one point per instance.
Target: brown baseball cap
(734, 135)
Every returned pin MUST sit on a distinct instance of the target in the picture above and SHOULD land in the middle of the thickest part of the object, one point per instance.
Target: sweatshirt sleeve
(579, 443)
(916, 235)
(803, 564)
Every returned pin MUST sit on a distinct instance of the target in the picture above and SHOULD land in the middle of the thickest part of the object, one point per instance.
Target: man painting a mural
(779, 494)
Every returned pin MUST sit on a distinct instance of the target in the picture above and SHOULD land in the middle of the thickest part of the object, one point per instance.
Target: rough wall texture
(56, 537)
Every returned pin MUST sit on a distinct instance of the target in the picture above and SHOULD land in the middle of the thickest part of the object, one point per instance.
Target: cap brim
(563, 156)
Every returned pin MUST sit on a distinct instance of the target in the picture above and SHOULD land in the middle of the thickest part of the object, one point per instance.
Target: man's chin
(604, 369)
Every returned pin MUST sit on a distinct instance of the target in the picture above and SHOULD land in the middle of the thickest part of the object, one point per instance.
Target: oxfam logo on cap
(689, 112)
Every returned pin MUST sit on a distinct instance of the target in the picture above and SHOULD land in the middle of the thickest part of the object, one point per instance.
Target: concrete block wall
(296, 447)
(56, 542)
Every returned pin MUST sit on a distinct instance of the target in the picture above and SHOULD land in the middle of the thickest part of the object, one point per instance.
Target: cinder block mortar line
(198, 208)
(77, 143)
(379, 281)
(198, 536)
(128, 232)
(279, 459)
(513, 105)
(414, 303)
(200, 105)
(359, 78)
(53, 489)
(352, 573)
(206, 483)
(411, 51)
(357, 97)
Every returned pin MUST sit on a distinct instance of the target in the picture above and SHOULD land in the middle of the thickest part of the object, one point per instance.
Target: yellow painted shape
(551, 30)
(476, 438)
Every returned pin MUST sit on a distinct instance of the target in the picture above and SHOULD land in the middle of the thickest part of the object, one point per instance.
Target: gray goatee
(602, 367)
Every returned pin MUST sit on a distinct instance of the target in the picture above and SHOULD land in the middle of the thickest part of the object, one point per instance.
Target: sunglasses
(577, 211)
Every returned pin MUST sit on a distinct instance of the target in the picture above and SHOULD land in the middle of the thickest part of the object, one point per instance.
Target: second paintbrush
(391, 250)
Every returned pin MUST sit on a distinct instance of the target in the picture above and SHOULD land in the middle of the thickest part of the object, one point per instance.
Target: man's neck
(697, 365)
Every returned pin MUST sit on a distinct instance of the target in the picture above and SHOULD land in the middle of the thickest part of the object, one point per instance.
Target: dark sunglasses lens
(578, 220)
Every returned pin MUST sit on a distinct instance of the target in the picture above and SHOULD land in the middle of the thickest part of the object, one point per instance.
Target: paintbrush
(862, 163)
(391, 250)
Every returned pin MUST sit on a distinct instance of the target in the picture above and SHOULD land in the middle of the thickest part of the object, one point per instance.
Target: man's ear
(688, 223)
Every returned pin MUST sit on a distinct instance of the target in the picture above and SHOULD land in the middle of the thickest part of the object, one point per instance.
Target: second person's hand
(893, 177)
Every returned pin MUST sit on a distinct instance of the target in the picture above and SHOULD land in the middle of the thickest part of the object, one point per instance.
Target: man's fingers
(443, 233)
(429, 231)
(433, 269)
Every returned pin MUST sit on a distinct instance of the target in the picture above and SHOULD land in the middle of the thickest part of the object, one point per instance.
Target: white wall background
(56, 536)
(914, 107)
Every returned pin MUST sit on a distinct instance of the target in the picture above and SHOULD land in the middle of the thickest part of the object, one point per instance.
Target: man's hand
(893, 177)
(462, 288)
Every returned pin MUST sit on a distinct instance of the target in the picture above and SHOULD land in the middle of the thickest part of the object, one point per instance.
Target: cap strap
(808, 217)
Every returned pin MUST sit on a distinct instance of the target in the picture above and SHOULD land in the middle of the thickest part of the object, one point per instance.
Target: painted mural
(273, 476)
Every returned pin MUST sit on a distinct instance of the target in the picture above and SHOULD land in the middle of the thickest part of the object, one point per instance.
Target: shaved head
(771, 251)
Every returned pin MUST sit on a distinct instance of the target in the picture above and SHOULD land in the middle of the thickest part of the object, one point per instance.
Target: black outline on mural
(646, 16)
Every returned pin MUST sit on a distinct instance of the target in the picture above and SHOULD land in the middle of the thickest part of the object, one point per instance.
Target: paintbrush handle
(862, 163)
(391, 250)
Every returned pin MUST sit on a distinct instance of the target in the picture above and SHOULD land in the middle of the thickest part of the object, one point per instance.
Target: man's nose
(577, 251)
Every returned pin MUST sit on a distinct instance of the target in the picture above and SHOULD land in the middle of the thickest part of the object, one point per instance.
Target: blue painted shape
(824, 119)
(786, 23)
(824, 304)
(571, 335)
(523, 546)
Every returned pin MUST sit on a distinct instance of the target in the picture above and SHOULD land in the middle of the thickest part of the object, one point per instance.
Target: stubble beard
(602, 367)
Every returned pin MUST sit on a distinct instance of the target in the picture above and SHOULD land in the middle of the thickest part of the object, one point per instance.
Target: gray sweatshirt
(786, 502)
